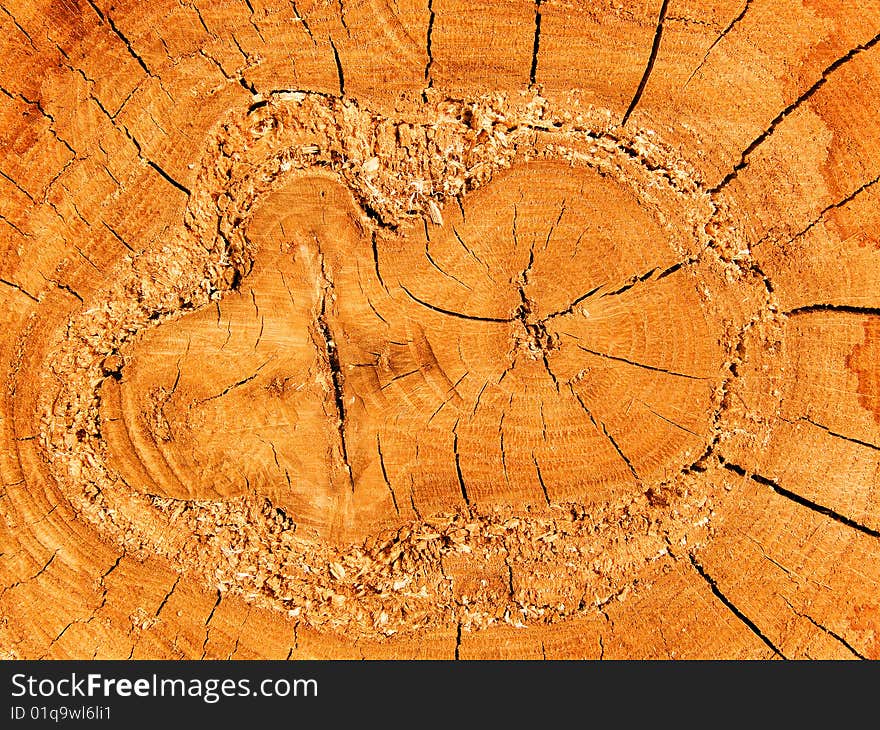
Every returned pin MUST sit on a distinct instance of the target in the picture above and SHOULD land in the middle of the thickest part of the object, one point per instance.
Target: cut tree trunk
(440, 329)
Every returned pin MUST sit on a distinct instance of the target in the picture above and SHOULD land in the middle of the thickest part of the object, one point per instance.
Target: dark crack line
(167, 596)
(451, 313)
(14, 227)
(477, 400)
(469, 252)
(630, 283)
(852, 440)
(375, 247)
(226, 75)
(412, 500)
(671, 270)
(501, 437)
(806, 95)
(52, 129)
(64, 287)
(814, 506)
(19, 289)
(342, 17)
(214, 607)
(536, 44)
(640, 364)
(845, 308)
(430, 62)
(600, 427)
(546, 360)
(20, 28)
(570, 309)
(460, 208)
(583, 405)
(18, 187)
(553, 227)
(655, 48)
(69, 290)
(112, 568)
(245, 55)
(507, 369)
(623, 456)
(460, 476)
(724, 32)
(117, 236)
(208, 624)
(839, 204)
(260, 334)
(385, 474)
(376, 311)
(439, 268)
(752, 626)
(537, 331)
(119, 34)
(826, 630)
(516, 239)
(541, 479)
(453, 391)
(332, 353)
(237, 384)
(45, 567)
(305, 23)
(253, 22)
(511, 592)
(194, 6)
(400, 377)
(668, 420)
(339, 71)
(168, 178)
(42, 570)
(58, 638)
(801, 500)
(769, 559)
(271, 446)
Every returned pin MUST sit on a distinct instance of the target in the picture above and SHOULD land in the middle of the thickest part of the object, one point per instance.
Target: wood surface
(440, 329)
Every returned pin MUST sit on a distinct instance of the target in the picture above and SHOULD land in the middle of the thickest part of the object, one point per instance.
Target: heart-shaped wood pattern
(481, 351)
(509, 355)
(349, 330)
